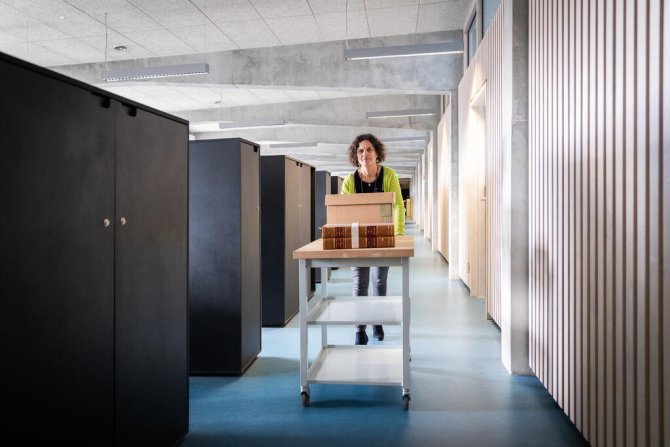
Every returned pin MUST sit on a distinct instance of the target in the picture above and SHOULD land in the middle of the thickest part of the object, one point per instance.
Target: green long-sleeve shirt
(391, 184)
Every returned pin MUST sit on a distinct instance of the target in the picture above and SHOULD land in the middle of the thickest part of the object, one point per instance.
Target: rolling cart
(347, 364)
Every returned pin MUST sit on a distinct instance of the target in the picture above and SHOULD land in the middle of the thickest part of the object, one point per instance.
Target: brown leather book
(364, 230)
(334, 243)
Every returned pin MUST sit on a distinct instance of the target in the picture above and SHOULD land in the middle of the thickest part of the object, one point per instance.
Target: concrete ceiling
(269, 59)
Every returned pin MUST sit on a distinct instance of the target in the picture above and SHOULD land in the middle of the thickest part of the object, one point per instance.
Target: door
(250, 251)
(293, 238)
(151, 278)
(57, 263)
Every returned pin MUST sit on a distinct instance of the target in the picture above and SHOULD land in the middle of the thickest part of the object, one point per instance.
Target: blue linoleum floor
(461, 394)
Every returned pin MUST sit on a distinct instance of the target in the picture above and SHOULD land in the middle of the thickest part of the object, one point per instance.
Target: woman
(366, 152)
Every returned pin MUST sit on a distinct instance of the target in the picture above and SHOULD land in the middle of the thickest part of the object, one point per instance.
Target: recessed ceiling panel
(392, 21)
(249, 34)
(295, 30)
(285, 8)
(440, 16)
(161, 42)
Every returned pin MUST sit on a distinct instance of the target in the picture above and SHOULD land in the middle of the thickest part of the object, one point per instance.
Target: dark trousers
(361, 276)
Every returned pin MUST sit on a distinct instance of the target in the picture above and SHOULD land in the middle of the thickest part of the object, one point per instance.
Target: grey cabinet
(224, 255)
(94, 268)
(287, 223)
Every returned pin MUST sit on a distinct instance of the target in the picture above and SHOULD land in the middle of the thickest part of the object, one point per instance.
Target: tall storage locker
(336, 184)
(94, 267)
(286, 224)
(322, 187)
(224, 255)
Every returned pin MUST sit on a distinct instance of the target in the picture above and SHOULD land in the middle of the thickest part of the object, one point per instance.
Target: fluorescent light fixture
(420, 49)
(255, 123)
(400, 113)
(280, 145)
(125, 74)
(403, 139)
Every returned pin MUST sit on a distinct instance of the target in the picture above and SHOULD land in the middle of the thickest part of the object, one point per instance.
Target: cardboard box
(362, 208)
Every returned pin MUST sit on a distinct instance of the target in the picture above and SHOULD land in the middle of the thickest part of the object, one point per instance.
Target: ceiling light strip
(125, 74)
(246, 124)
(281, 145)
(403, 139)
(400, 113)
(422, 49)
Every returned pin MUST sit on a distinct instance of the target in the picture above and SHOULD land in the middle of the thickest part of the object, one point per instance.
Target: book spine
(336, 243)
(364, 230)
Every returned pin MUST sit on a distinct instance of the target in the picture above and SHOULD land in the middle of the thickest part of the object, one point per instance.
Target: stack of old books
(354, 235)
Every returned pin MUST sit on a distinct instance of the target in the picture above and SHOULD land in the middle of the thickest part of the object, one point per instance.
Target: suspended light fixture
(125, 74)
(400, 113)
(403, 139)
(282, 145)
(420, 49)
(247, 124)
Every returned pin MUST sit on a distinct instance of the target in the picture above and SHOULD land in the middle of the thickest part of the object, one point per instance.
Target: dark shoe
(361, 338)
(378, 332)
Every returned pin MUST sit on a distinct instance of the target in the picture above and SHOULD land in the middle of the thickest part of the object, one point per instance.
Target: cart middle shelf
(356, 310)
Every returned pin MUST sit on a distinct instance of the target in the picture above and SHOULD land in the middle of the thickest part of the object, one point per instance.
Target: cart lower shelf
(362, 365)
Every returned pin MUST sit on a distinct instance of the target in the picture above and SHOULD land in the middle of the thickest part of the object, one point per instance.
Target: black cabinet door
(306, 212)
(293, 229)
(321, 188)
(151, 278)
(56, 268)
(250, 253)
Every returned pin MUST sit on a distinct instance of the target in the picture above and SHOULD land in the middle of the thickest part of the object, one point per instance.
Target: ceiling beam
(338, 112)
(305, 65)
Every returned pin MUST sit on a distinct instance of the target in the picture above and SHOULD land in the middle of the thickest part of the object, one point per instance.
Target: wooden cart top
(404, 248)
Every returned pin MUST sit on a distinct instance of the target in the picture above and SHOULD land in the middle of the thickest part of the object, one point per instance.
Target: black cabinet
(336, 184)
(287, 223)
(94, 266)
(224, 255)
(322, 186)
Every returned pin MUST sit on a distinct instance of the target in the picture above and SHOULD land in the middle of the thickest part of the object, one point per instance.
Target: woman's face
(366, 153)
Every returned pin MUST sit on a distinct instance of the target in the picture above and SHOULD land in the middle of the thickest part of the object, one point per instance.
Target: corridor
(461, 394)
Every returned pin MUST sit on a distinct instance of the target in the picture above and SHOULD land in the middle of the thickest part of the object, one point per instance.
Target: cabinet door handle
(106, 223)
(123, 221)
(104, 101)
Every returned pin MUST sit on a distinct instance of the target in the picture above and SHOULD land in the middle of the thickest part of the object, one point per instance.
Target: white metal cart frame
(345, 364)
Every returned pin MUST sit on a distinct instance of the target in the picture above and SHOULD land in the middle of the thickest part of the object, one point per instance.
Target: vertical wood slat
(619, 280)
(599, 136)
(664, 162)
(608, 243)
(630, 241)
(641, 224)
(601, 246)
(591, 206)
(583, 424)
(554, 199)
(653, 195)
(559, 332)
(577, 234)
(571, 243)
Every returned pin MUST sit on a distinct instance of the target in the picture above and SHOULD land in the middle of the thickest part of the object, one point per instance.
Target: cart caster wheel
(305, 399)
(405, 402)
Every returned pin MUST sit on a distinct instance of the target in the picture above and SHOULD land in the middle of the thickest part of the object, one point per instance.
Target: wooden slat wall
(599, 139)
(485, 71)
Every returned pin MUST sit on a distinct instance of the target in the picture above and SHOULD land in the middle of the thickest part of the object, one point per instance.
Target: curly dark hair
(380, 149)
